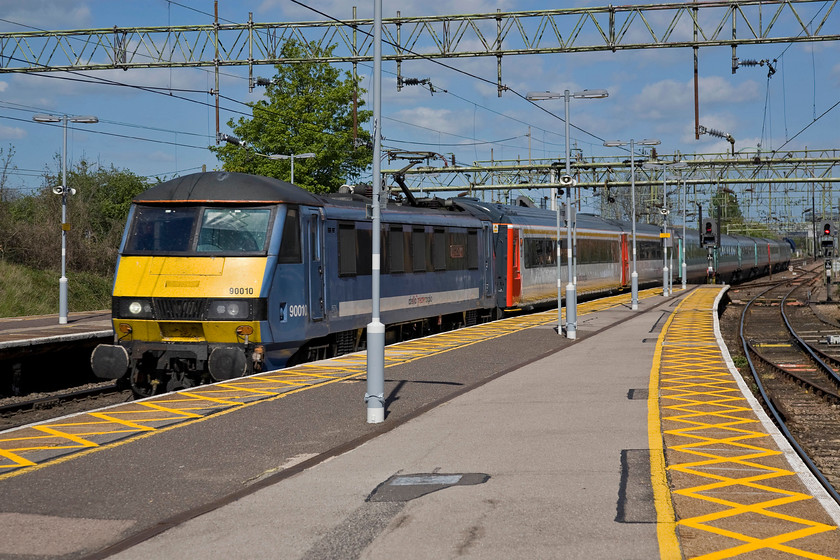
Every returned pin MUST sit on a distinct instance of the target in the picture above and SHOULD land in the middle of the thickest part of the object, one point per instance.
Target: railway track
(19, 411)
(784, 339)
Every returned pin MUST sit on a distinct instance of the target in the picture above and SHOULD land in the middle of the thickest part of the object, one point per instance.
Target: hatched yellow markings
(112, 418)
(15, 460)
(65, 435)
(29, 447)
(733, 492)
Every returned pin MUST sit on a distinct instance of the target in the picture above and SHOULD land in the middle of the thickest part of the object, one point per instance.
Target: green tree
(730, 211)
(307, 108)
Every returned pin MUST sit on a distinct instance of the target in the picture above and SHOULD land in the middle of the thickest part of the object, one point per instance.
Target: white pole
(62, 282)
(634, 276)
(375, 396)
(571, 295)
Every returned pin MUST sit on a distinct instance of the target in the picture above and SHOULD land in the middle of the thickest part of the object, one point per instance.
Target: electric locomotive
(224, 274)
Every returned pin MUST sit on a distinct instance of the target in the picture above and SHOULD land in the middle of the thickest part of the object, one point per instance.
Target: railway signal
(827, 244)
(827, 240)
(710, 233)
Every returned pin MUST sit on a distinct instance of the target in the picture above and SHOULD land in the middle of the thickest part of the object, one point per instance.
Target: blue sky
(651, 93)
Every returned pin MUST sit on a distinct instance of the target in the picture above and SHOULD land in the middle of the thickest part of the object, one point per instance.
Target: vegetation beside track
(28, 291)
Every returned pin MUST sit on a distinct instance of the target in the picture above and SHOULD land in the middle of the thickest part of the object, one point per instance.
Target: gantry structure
(694, 24)
(788, 190)
(770, 182)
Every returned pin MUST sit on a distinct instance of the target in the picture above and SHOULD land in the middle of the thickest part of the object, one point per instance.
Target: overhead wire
(780, 58)
(452, 68)
(84, 78)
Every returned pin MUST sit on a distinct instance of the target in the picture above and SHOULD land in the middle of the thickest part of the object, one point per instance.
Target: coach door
(514, 273)
(625, 260)
(487, 264)
(313, 251)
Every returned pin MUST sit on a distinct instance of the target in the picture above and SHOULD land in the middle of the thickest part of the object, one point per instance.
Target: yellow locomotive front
(190, 291)
(186, 302)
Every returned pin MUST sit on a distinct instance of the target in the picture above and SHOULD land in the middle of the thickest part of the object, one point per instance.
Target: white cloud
(44, 14)
(668, 98)
(342, 9)
(438, 120)
(160, 156)
(11, 133)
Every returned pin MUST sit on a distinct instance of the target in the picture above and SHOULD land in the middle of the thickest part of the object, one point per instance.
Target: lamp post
(292, 158)
(634, 276)
(375, 387)
(683, 267)
(64, 190)
(665, 235)
(571, 296)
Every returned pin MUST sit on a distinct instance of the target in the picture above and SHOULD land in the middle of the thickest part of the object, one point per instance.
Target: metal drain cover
(405, 487)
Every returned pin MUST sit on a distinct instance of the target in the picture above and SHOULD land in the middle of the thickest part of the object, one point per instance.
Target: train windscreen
(197, 230)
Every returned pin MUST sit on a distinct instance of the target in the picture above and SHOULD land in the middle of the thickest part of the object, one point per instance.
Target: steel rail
(777, 417)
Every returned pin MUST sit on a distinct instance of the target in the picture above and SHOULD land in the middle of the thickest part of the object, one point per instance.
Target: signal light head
(827, 229)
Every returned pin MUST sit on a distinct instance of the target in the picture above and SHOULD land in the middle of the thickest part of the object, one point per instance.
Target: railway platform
(637, 440)
(29, 346)
(19, 333)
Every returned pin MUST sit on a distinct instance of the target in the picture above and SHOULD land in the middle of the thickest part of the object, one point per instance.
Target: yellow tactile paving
(734, 493)
(36, 446)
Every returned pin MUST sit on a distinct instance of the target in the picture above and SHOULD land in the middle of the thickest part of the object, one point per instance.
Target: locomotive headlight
(228, 310)
(133, 308)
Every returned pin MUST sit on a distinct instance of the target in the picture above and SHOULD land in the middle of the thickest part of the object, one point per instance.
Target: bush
(30, 226)
(28, 291)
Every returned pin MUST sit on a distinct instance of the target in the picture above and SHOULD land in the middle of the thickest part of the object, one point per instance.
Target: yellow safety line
(666, 534)
(179, 405)
(724, 452)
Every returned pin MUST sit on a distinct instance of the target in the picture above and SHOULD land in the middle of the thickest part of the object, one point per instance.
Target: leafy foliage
(727, 202)
(30, 225)
(308, 108)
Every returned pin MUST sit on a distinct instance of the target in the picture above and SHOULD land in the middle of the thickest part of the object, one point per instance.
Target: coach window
(418, 250)
(472, 249)
(396, 249)
(540, 252)
(290, 243)
(364, 250)
(439, 251)
(456, 258)
(346, 250)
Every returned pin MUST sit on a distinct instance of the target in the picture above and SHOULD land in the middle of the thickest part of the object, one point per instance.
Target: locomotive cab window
(184, 230)
(158, 229)
(233, 230)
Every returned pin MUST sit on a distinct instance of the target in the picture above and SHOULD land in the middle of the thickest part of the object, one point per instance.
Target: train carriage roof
(227, 188)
